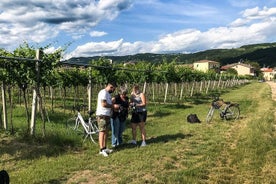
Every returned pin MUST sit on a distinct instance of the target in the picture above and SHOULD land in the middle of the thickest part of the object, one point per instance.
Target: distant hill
(264, 54)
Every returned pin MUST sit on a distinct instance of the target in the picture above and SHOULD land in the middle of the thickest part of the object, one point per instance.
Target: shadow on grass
(161, 110)
(154, 140)
(34, 147)
(167, 138)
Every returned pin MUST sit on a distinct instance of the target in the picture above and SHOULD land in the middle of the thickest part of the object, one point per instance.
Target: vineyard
(39, 93)
(241, 151)
(42, 82)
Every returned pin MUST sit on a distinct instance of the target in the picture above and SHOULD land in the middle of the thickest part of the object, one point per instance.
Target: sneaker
(143, 143)
(132, 142)
(104, 153)
(108, 151)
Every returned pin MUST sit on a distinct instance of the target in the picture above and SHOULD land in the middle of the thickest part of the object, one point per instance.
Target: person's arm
(131, 100)
(116, 106)
(144, 101)
(106, 105)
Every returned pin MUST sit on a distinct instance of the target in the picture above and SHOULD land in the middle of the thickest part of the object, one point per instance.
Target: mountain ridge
(264, 54)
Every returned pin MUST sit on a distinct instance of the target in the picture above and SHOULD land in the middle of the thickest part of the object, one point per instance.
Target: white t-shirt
(103, 95)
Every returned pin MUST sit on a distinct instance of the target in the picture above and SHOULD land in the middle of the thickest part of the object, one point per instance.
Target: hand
(116, 106)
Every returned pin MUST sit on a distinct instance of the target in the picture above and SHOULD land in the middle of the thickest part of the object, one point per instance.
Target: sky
(125, 27)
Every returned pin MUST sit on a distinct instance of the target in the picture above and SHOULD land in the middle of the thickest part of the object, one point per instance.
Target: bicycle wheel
(93, 125)
(232, 112)
(74, 124)
(210, 114)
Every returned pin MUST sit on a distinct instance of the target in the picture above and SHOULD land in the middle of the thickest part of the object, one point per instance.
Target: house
(241, 68)
(206, 65)
(268, 73)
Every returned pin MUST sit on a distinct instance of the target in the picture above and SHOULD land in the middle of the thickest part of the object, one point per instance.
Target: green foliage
(231, 71)
(102, 71)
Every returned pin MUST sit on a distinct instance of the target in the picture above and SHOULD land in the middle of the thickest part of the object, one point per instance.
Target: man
(103, 113)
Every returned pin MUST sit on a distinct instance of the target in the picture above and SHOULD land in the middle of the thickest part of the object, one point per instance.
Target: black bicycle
(227, 110)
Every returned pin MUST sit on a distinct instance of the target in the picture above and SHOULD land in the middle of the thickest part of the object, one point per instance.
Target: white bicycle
(88, 128)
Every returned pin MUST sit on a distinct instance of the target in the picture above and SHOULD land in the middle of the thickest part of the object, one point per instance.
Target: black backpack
(192, 118)
(4, 177)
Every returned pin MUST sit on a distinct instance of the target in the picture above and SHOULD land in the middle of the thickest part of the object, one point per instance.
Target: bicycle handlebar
(78, 108)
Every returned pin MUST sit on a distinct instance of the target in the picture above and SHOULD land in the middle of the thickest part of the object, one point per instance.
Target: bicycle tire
(232, 112)
(74, 124)
(210, 114)
(93, 125)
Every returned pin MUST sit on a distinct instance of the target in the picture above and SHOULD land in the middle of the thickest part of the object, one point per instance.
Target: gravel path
(273, 89)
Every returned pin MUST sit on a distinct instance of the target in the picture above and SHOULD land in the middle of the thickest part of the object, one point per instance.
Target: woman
(139, 114)
(119, 117)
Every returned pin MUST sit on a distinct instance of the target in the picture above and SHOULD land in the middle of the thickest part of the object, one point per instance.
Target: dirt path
(273, 89)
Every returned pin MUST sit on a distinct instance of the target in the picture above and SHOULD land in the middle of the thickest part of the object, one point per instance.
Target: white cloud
(239, 22)
(74, 19)
(50, 50)
(256, 13)
(97, 33)
(40, 20)
(96, 48)
(242, 31)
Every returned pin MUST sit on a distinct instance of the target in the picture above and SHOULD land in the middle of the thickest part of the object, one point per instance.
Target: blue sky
(126, 27)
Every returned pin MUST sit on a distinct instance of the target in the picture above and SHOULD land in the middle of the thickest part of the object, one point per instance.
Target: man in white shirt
(103, 113)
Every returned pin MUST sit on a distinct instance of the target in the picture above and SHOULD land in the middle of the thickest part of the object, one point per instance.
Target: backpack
(4, 177)
(192, 118)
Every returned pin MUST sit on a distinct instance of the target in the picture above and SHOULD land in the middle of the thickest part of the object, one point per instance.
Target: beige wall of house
(205, 65)
(243, 69)
(269, 75)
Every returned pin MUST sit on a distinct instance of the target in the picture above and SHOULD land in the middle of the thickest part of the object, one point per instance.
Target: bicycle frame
(90, 128)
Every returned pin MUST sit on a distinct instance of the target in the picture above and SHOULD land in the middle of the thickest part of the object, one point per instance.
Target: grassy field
(242, 151)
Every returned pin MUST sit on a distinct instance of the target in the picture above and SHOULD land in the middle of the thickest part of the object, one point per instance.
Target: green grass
(241, 151)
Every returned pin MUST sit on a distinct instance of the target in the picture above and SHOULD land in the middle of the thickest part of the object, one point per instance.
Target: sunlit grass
(241, 151)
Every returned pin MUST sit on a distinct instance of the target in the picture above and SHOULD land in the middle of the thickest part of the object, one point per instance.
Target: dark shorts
(103, 122)
(139, 117)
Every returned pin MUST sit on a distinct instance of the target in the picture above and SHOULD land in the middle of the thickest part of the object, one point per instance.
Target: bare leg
(101, 139)
(133, 127)
(142, 130)
(105, 137)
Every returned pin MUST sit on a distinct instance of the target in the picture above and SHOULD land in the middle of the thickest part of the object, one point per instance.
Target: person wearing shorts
(103, 113)
(139, 114)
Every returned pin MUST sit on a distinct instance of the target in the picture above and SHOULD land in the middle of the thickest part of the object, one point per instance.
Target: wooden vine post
(5, 116)
(166, 92)
(207, 88)
(34, 101)
(89, 91)
(192, 90)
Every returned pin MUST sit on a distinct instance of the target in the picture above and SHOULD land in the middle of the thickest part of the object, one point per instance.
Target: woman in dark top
(119, 117)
